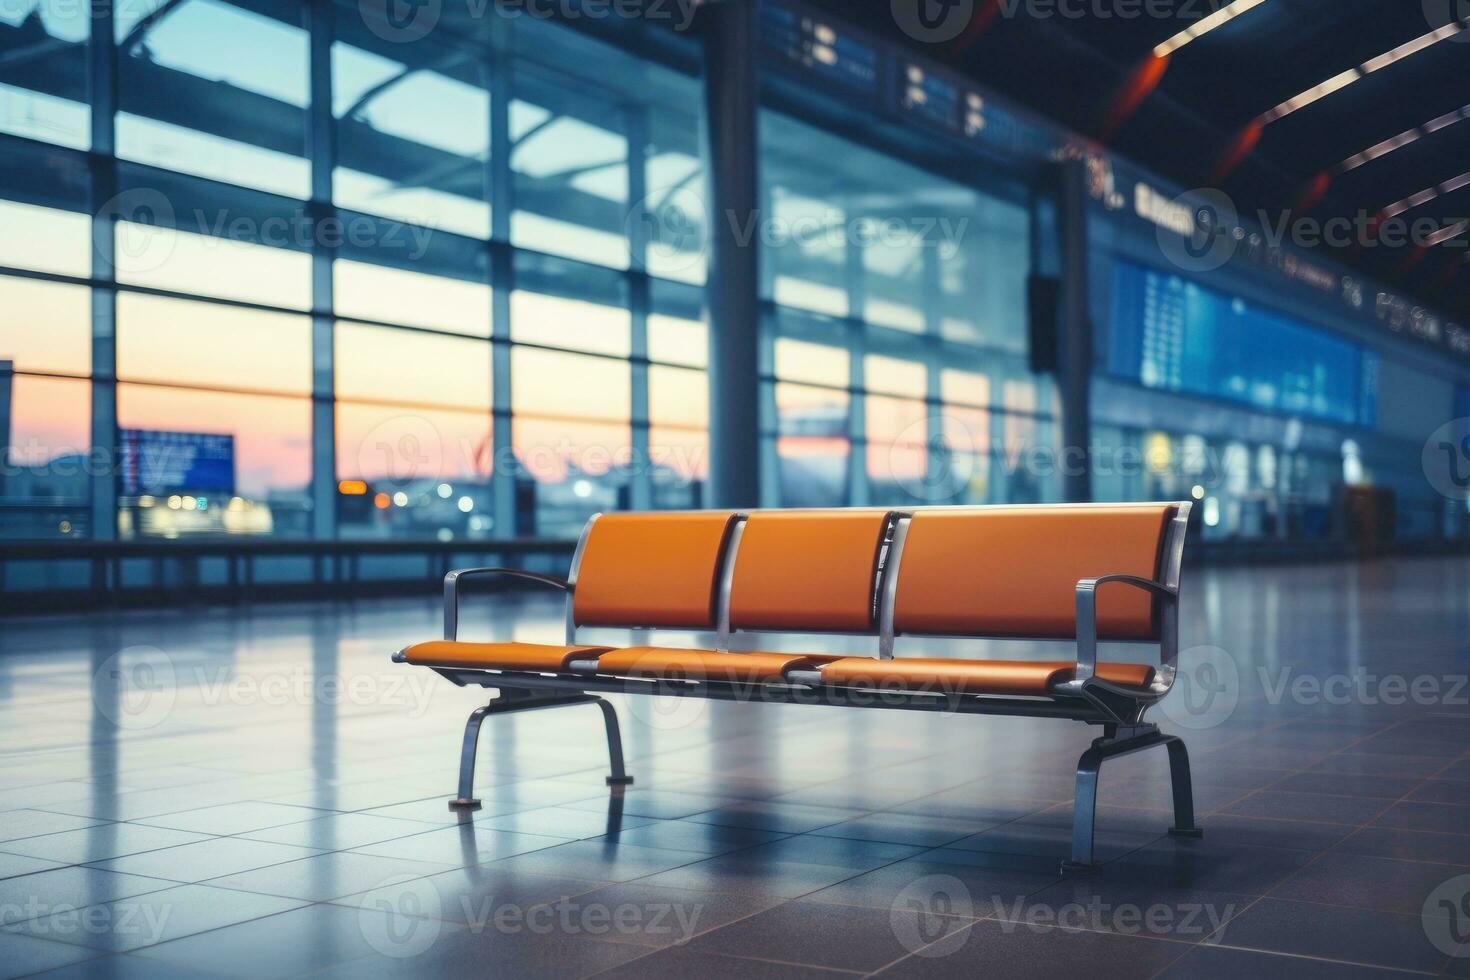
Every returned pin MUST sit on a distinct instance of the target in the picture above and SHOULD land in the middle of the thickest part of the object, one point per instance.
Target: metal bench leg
(1184, 825)
(1084, 811)
(466, 798)
(619, 775)
(1119, 740)
(511, 700)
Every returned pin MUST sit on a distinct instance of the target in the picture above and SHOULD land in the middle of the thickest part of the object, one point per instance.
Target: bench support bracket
(1117, 741)
(515, 700)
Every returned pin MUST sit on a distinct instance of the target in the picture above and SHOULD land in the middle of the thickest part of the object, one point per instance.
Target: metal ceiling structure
(1352, 109)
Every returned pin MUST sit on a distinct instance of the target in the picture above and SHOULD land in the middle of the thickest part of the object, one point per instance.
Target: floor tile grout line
(728, 956)
(1298, 871)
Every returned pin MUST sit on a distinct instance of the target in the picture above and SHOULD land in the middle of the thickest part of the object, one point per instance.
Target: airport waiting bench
(1088, 573)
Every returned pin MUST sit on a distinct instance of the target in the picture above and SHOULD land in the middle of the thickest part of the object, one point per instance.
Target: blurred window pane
(45, 239)
(570, 470)
(365, 291)
(570, 169)
(190, 73)
(208, 462)
(558, 322)
(43, 50)
(45, 327)
(678, 397)
(212, 345)
(413, 130)
(409, 367)
(573, 386)
(797, 360)
(185, 262)
(678, 341)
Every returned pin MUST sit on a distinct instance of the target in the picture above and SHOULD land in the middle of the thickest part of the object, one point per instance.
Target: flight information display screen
(1172, 334)
(820, 48)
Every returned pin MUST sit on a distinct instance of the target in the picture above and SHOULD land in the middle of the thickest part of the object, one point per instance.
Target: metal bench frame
(1087, 698)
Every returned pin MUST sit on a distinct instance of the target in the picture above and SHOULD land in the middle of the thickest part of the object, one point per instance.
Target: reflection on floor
(260, 792)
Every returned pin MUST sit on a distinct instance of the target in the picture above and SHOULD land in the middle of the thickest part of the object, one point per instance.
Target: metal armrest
(451, 590)
(1087, 619)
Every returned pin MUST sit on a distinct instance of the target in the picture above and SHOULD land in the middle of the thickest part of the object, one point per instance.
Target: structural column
(322, 130)
(102, 75)
(1074, 362)
(731, 93)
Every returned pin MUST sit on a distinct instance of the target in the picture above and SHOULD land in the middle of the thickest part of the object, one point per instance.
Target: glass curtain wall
(895, 362)
(353, 287)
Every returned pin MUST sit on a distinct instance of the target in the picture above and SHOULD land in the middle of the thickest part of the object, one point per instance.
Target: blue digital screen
(168, 462)
(1172, 334)
(801, 41)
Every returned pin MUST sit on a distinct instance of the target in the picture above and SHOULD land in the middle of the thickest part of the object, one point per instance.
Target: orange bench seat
(937, 675)
(1003, 677)
(706, 665)
(543, 657)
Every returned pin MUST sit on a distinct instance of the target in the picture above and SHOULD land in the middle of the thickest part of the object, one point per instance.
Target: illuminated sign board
(155, 462)
(819, 48)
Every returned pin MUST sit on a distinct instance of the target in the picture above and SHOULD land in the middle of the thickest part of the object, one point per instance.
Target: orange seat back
(807, 570)
(1013, 571)
(652, 570)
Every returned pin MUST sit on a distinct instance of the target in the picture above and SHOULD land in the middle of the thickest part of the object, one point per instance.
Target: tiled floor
(261, 793)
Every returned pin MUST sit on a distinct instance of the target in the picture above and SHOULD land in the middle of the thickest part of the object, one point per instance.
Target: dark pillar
(1074, 368)
(730, 143)
(7, 373)
(323, 147)
(102, 81)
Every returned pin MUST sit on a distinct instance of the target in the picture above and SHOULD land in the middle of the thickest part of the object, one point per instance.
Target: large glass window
(569, 161)
(45, 239)
(498, 327)
(903, 290)
(573, 439)
(413, 130)
(180, 261)
(45, 408)
(194, 461)
(214, 422)
(43, 71)
(216, 89)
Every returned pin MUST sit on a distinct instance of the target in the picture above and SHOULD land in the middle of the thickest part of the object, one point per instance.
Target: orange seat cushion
(940, 676)
(807, 570)
(704, 665)
(652, 570)
(547, 657)
(1013, 571)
